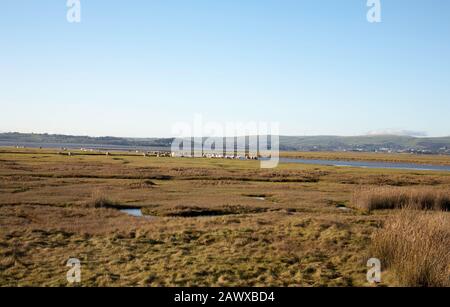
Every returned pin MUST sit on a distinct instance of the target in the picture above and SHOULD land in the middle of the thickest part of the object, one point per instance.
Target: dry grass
(416, 247)
(266, 249)
(422, 198)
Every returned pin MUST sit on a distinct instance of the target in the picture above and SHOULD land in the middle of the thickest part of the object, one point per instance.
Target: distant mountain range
(369, 143)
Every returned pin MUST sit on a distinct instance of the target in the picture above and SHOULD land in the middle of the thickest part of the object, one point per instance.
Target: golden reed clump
(415, 247)
(100, 199)
(421, 198)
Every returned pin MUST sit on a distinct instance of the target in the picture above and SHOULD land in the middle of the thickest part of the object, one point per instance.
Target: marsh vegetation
(209, 226)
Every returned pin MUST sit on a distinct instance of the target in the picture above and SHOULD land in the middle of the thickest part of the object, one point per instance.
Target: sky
(137, 68)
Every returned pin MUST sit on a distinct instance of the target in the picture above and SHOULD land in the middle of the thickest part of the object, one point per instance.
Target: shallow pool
(133, 212)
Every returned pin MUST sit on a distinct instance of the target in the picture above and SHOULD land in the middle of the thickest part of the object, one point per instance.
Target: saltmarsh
(208, 227)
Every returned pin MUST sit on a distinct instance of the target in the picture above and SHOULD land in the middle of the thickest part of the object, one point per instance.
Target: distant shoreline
(322, 157)
(379, 143)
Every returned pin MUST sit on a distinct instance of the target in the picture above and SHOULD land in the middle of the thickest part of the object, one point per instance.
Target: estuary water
(366, 164)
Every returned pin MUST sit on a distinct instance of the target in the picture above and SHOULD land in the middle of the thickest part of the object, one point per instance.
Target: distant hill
(366, 143)
(15, 137)
(287, 143)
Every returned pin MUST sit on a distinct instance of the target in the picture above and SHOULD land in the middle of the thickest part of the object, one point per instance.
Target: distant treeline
(287, 143)
(87, 140)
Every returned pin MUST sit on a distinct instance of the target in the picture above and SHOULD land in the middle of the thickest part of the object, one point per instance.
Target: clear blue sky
(134, 68)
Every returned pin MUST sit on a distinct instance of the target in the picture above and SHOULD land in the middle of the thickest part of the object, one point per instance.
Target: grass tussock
(101, 200)
(415, 246)
(421, 198)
